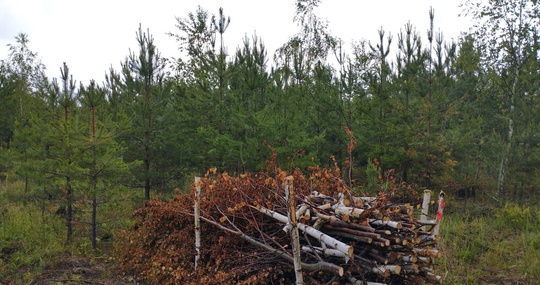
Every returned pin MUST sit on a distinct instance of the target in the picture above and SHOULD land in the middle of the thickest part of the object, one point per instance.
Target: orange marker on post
(439, 213)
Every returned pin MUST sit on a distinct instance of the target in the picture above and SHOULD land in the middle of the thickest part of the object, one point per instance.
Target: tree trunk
(146, 173)
(147, 134)
(93, 124)
(69, 210)
(94, 222)
(504, 160)
(516, 56)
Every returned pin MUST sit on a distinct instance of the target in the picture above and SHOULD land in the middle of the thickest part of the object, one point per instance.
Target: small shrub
(513, 218)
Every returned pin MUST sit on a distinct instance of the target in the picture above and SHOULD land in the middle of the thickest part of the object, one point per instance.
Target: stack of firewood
(370, 239)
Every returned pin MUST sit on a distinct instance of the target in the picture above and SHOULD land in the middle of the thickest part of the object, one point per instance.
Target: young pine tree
(144, 78)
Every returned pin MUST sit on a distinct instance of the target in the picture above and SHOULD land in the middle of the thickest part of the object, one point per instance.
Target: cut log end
(350, 252)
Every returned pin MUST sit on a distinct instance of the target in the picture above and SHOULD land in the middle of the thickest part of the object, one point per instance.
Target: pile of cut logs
(369, 239)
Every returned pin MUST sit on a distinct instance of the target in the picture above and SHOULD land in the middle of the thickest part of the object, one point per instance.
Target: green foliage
(373, 177)
(515, 218)
(8, 107)
(146, 90)
(21, 74)
(507, 34)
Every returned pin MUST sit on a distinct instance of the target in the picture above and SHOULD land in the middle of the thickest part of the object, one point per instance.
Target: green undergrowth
(33, 230)
(492, 246)
(28, 238)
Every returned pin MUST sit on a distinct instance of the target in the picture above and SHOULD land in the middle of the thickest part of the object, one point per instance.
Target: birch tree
(507, 31)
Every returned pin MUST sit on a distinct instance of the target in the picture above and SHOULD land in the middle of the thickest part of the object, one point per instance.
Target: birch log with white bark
(392, 224)
(197, 215)
(341, 209)
(324, 238)
(295, 238)
(324, 251)
(386, 270)
(425, 205)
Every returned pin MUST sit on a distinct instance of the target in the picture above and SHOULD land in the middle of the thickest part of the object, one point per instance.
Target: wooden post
(289, 193)
(425, 206)
(439, 216)
(197, 214)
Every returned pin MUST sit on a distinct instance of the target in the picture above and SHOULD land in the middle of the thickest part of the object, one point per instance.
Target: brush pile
(357, 240)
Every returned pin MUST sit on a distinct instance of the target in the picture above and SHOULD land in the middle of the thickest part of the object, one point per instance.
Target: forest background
(460, 116)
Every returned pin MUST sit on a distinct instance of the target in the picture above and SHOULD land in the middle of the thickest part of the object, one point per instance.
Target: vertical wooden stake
(289, 192)
(197, 214)
(439, 216)
(425, 206)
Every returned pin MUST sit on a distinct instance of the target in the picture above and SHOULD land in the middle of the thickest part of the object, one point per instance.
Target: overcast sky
(91, 36)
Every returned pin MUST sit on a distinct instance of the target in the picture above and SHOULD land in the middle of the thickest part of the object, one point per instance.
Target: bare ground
(82, 270)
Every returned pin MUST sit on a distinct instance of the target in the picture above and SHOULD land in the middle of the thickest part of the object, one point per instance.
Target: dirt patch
(82, 270)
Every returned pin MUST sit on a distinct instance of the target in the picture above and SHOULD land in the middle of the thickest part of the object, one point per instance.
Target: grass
(33, 235)
(28, 237)
(498, 246)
